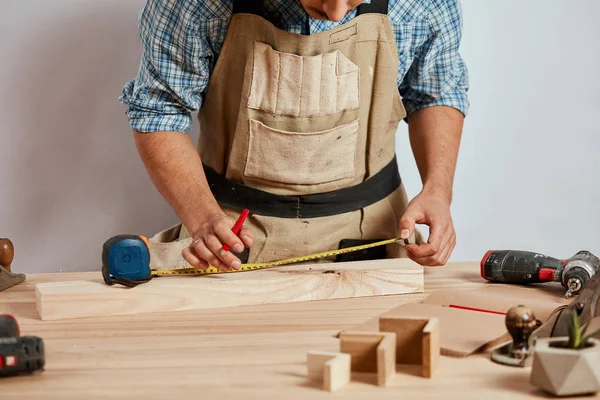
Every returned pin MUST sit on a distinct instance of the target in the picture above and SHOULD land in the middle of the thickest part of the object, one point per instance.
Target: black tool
(19, 354)
(525, 267)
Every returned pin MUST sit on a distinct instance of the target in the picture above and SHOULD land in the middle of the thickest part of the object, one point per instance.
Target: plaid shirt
(182, 40)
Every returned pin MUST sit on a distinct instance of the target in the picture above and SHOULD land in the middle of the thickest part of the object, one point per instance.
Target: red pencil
(237, 227)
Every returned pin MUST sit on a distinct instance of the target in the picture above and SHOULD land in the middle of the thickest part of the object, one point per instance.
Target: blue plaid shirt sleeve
(438, 75)
(174, 68)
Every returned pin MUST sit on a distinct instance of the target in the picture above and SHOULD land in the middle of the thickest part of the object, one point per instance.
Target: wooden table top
(242, 353)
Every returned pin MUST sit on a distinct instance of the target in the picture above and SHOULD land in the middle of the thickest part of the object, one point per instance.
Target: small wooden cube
(333, 369)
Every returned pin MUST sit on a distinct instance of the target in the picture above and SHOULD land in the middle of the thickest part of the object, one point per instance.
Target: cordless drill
(19, 354)
(525, 267)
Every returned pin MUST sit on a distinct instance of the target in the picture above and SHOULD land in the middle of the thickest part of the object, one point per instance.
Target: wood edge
(432, 325)
(337, 372)
(386, 358)
(356, 333)
(430, 348)
(39, 304)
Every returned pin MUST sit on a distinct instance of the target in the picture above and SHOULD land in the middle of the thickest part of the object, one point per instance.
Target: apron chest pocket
(301, 158)
(303, 86)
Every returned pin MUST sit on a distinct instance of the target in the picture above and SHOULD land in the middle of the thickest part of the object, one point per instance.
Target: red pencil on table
(237, 227)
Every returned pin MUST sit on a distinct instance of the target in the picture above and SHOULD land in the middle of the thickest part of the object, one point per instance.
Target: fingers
(226, 236)
(247, 236)
(203, 251)
(438, 236)
(194, 261)
(439, 246)
(207, 248)
(438, 258)
(412, 215)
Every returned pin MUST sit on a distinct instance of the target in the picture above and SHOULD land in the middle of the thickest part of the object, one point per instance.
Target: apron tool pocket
(301, 158)
(302, 86)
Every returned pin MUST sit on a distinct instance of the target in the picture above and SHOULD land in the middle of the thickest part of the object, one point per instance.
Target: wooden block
(332, 369)
(417, 341)
(372, 352)
(285, 284)
(431, 347)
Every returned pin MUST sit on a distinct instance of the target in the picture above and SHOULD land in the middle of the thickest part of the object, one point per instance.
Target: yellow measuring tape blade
(250, 267)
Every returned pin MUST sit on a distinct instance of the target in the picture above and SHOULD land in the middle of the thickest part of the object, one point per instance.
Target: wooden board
(308, 282)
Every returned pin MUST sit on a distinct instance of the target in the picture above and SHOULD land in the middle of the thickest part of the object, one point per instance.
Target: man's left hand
(433, 210)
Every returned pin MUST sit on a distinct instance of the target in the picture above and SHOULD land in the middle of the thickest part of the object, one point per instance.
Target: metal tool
(19, 354)
(7, 277)
(586, 305)
(520, 323)
(126, 260)
(525, 267)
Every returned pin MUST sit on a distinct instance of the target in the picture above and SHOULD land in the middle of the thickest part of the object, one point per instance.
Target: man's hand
(175, 168)
(433, 210)
(213, 233)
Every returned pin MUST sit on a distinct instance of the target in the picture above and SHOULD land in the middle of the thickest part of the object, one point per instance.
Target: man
(299, 102)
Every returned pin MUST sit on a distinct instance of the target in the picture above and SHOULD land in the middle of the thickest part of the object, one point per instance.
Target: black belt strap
(238, 196)
(256, 6)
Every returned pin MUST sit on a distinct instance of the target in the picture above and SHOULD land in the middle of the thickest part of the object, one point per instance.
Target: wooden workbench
(244, 352)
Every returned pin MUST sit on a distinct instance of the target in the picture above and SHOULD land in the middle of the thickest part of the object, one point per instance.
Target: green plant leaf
(584, 329)
(588, 337)
(574, 334)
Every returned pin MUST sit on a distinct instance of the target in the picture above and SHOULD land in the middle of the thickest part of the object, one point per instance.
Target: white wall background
(70, 176)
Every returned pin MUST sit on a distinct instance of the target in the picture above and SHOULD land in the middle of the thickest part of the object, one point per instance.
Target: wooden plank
(330, 368)
(297, 283)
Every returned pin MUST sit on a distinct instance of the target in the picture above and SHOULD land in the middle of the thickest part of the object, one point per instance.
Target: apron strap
(237, 196)
(255, 7)
(376, 7)
(247, 7)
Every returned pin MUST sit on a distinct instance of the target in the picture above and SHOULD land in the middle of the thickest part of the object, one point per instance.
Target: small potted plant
(566, 366)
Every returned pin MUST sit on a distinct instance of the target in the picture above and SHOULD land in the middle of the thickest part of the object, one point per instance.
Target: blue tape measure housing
(126, 258)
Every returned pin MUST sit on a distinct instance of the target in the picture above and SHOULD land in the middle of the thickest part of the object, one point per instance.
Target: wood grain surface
(308, 282)
(247, 352)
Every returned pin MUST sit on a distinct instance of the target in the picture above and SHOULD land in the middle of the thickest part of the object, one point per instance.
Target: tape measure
(126, 260)
(255, 266)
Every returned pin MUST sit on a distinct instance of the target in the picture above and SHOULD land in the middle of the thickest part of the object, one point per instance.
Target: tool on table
(525, 267)
(126, 260)
(586, 305)
(520, 323)
(237, 227)
(19, 354)
(7, 277)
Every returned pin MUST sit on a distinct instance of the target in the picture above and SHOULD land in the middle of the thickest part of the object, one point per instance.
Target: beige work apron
(295, 114)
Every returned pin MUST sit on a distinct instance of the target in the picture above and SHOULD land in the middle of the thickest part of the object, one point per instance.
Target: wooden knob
(520, 323)
(7, 253)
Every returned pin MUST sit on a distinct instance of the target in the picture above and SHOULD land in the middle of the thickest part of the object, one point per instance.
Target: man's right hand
(207, 241)
(175, 168)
